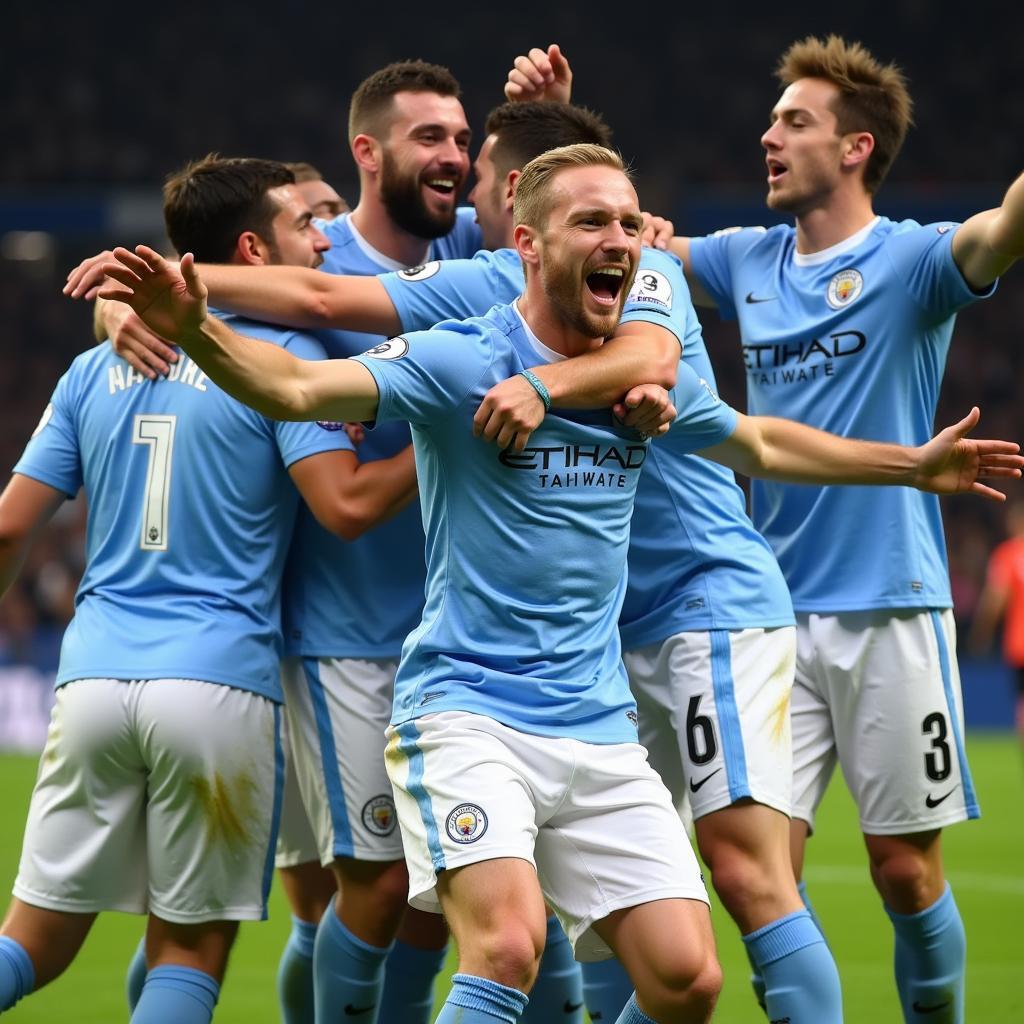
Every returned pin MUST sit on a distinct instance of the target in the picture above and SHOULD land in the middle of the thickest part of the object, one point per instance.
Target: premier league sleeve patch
(466, 824)
(393, 348)
(422, 272)
(651, 288)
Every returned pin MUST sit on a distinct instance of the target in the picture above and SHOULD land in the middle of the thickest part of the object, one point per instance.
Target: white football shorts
(593, 819)
(296, 843)
(713, 709)
(880, 692)
(159, 795)
(338, 710)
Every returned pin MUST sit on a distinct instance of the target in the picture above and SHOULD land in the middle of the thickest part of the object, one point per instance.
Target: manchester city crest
(379, 815)
(844, 288)
(466, 824)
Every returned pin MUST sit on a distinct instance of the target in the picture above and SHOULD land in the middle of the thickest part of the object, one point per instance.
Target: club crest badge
(844, 288)
(466, 824)
(379, 816)
(422, 272)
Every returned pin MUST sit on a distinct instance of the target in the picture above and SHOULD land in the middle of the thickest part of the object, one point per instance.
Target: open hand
(540, 75)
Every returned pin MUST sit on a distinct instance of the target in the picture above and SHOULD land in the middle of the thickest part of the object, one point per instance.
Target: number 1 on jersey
(158, 433)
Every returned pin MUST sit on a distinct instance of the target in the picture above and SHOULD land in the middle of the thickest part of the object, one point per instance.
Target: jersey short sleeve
(425, 375)
(703, 419)
(52, 455)
(922, 257)
(297, 441)
(453, 289)
(713, 259)
(659, 296)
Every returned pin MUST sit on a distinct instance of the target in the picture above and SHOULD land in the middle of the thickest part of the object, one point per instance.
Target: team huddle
(488, 712)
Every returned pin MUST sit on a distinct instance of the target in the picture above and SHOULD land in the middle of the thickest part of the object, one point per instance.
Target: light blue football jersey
(852, 340)
(191, 510)
(695, 560)
(526, 551)
(360, 599)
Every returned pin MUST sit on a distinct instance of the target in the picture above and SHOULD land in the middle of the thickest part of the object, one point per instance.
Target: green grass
(984, 863)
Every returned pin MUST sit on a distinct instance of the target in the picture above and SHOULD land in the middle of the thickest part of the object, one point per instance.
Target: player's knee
(907, 880)
(684, 989)
(742, 883)
(509, 954)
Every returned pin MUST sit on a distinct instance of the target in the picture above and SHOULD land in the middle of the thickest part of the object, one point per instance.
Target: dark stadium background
(98, 102)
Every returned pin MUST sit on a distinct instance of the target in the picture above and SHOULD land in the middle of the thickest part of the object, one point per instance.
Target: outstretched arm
(540, 75)
(949, 463)
(988, 243)
(26, 505)
(172, 302)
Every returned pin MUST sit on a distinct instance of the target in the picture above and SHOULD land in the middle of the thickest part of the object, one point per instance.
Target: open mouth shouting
(605, 284)
(776, 170)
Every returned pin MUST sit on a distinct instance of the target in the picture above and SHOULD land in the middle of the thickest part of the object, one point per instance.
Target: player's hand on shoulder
(647, 408)
(170, 298)
(85, 280)
(509, 413)
(134, 342)
(952, 463)
(657, 231)
(540, 75)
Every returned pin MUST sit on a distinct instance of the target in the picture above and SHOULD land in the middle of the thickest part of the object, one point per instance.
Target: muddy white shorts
(296, 843)
(880, 692)
(593, 819)
(713, 711)
(158, 795)
(338, 710)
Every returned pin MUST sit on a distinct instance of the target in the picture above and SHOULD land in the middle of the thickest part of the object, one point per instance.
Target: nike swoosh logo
(752, 299)
(355, 1011)
(921, 1008)
(694, 786)
(572, 1007)
(930, 801)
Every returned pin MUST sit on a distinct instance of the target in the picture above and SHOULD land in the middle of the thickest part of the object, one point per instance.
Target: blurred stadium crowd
(687, 96)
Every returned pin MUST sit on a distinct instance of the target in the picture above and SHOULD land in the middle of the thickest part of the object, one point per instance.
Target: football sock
(348, 974)
(295, 974)
(801, 887)
(606, 990)
(929, 962)
(176, 995)
(479, 1001)
(17, 975)
(136, 976)
(409, 974)
(632, 1014)
(800, 977)
(557, 994)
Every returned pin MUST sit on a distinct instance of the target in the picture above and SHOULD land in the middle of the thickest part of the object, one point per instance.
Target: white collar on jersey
(385, 262)
(549, 355)
(813, 259)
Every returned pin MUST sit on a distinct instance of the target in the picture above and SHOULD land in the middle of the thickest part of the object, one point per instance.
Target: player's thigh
(216, 778)
(894, 693)
(727, 698)
(468, 789)
(339, 709)
(84, 843)
(615, 842)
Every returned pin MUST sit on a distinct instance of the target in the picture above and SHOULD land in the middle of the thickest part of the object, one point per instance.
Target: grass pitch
(985, 863)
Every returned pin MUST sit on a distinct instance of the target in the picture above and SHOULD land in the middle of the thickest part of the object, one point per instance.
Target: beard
(403, 200)
(564, 288)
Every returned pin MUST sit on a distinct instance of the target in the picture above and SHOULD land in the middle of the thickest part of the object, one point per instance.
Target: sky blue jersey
(526, 550)
(360, 599)
(695, 560)
(852, 340)
(190, 513)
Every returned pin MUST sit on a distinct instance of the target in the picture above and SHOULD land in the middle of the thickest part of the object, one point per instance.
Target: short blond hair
(534, 192)
(873, 97)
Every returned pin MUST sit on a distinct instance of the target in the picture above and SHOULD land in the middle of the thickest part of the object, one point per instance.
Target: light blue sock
(929, 961)
(557, 994)
(606, 990)
(632, 1014)
(409, 974)
(479, 1001)
(176, 995)
(17, 975)
(136, 976)
(295, 974)
(800, 977)
(348, 974)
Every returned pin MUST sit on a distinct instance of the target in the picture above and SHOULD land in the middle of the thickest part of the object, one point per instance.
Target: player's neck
(550, 328)
(829, 224)
(370, 218)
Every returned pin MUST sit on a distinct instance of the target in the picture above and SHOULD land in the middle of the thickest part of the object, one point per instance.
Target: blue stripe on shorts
(728, 717)
(408, 735)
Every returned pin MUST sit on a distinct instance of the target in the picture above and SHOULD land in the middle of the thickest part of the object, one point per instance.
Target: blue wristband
(538, 385)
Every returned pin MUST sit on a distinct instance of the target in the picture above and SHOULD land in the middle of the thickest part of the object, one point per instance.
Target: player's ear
(251, 249)
(857, 147)
(366, 152)
(510, 187)
(525, 239)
